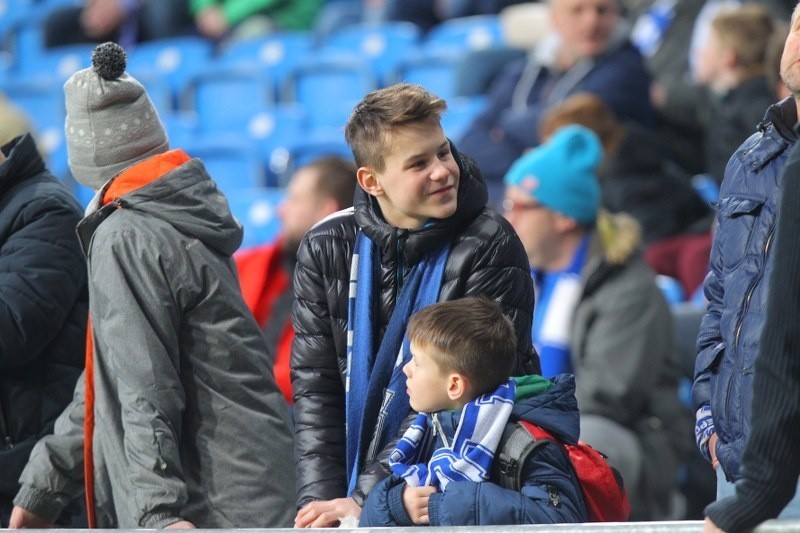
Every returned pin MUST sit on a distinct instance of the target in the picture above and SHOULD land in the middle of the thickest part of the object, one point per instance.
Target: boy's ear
(457, 386)
(368, 180)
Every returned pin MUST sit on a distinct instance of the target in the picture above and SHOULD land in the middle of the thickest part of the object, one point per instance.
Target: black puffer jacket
(43, 305)
(486, 258)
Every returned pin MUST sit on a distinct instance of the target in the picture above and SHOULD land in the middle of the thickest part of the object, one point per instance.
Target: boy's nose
(407, 369)
(439, 172)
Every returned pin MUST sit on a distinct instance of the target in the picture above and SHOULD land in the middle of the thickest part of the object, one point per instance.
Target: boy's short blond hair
(470, 336)
(746, 30)
(383, 111)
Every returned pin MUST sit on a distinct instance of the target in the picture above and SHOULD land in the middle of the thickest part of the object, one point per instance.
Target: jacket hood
(618, 237)
(616, 241)
(416, 243)
(186, 198)
(554, 409)
(23, 160)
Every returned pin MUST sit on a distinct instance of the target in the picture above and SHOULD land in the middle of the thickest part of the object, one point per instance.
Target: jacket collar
(775, 134)
(23, 161)
(783, 116)
(415, 243)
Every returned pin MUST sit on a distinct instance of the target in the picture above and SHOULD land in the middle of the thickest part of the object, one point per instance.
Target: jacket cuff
(434, 503)
(158, 520)
(42, 503)
(394, 500)
(358, 497)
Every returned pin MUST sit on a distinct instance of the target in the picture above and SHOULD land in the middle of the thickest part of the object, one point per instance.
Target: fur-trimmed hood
(618, 237)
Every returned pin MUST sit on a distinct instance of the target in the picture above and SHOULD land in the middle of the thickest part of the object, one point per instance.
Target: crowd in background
(636, 148)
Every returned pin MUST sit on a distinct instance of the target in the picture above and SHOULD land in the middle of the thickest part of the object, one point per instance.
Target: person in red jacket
(315, 191)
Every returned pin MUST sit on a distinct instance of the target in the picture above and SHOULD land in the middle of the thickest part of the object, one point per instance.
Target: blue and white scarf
(469, 457)
(376, 399)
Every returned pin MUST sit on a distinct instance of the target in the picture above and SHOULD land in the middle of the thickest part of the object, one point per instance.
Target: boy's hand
(326, 513)
(415, 500)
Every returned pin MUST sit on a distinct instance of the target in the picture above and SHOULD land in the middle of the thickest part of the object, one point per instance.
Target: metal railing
(684, 526)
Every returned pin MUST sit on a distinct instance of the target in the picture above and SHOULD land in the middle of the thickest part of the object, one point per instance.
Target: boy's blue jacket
(550, 492)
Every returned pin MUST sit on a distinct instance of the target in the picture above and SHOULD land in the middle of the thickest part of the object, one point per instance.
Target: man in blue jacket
(736, 286)
(588, 52)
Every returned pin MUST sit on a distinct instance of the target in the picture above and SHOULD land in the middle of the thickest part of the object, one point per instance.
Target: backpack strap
(538, 432)
(516, 444)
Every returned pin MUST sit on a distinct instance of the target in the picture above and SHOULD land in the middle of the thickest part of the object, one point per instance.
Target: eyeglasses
(510, 206)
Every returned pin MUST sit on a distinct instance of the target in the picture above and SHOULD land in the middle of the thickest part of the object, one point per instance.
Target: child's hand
(326, 513)
(415, 500)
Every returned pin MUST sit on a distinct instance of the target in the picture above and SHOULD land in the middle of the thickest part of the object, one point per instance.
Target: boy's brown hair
(470, 336)
(746, 30)
(381, 112)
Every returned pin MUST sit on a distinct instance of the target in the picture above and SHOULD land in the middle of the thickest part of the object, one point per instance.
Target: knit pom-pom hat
(111, 122)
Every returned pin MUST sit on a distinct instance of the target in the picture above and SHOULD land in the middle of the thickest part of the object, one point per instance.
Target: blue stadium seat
(707, 187)
(176, 60)
(273, 131)
(22, 30)
(225, 99)
(671, 288)
(382, 46)
(465, 34)
(328, 91)
(435, 71)
(305, 150)
(57, 63)
(182, 128)
(160, 92)
(43, 103)
(256, 209)
(277, 53)
(232, 162)
(460, 113)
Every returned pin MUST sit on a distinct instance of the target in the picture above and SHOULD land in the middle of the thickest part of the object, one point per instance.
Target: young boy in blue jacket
(463, 352)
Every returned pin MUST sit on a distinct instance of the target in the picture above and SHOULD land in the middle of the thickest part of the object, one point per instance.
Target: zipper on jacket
(752, 288)
(553, 496)
(437, 427)
(401, 261)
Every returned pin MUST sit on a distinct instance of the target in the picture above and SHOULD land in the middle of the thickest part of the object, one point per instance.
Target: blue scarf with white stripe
(469, 457)
(376, 398)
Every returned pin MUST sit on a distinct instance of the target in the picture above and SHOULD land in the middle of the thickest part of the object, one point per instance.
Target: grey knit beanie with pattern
(111, 122)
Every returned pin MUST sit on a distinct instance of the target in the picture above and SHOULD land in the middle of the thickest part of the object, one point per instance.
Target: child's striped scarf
(469, 456)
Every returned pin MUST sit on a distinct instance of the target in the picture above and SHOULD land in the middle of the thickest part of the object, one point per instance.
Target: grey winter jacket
(626, 368)
(189, 423)
(737, 285)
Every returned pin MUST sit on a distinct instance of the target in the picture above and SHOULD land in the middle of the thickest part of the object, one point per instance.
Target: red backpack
(601, 484)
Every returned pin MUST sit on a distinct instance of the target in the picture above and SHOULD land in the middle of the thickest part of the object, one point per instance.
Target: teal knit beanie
(561, 173)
